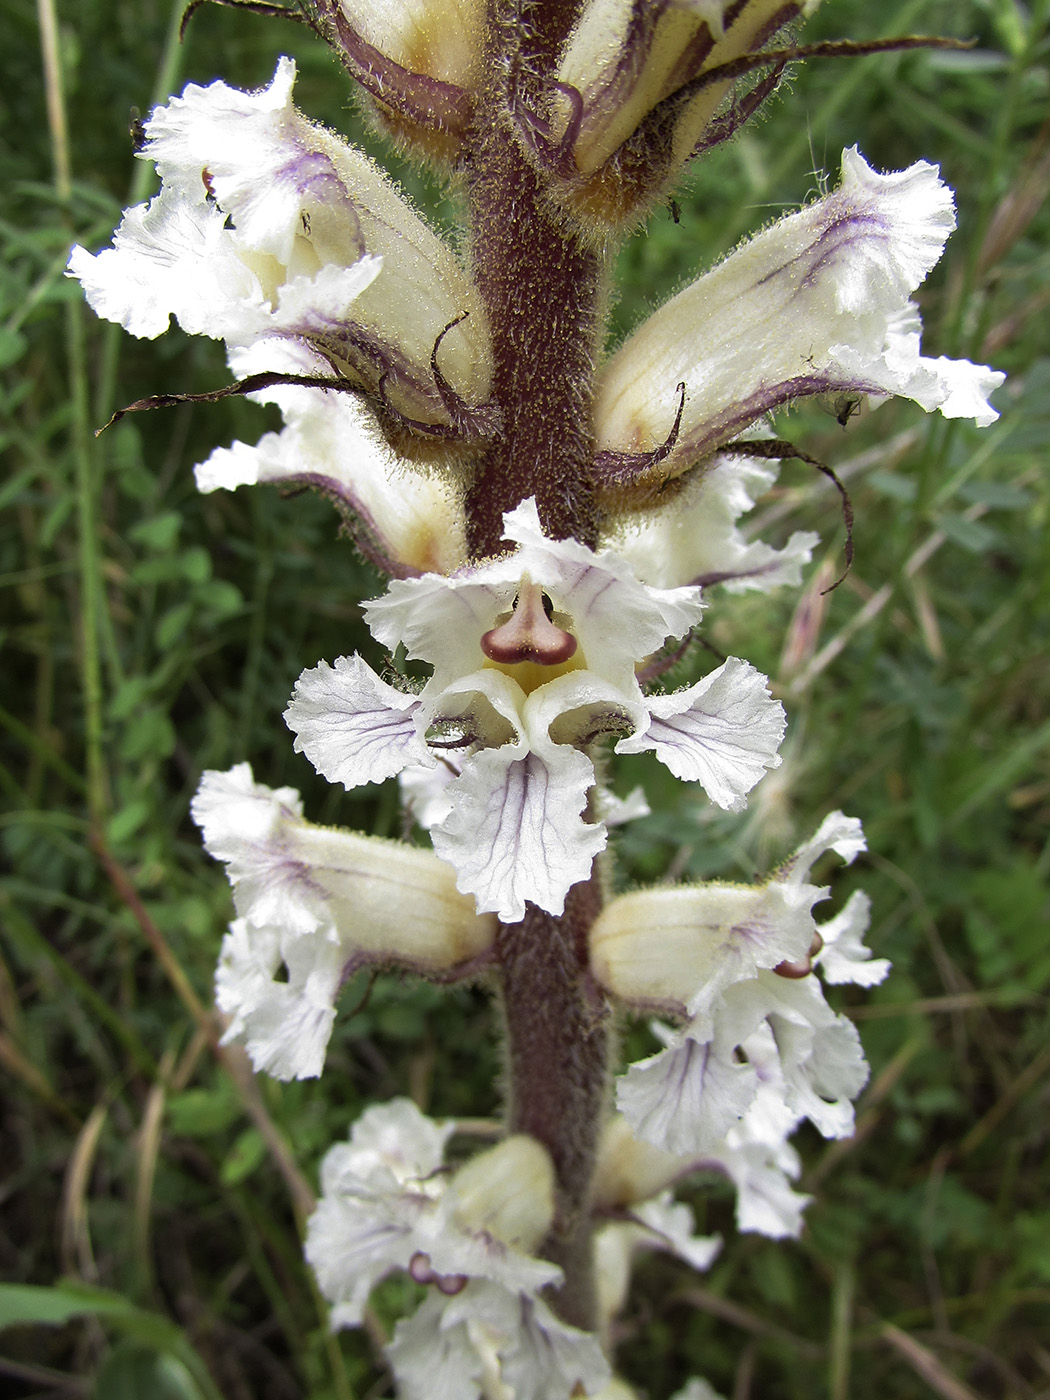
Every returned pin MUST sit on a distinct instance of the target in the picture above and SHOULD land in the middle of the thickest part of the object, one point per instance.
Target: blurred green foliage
(133, 1160)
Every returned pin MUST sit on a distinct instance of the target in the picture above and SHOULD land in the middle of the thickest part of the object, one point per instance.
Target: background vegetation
(149, 632)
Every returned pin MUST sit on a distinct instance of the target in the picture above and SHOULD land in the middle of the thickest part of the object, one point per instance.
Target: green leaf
(124, 823)
(135, 1372)
(897, 488)
(149, 734)
(970, 534)
(12, 347)
(156, 1337)
(172, 625)
(161, 533)
(25, 1302)
(999, 495)
(202, 1112)
(245, 1155)
(195, 564)
(221, 599)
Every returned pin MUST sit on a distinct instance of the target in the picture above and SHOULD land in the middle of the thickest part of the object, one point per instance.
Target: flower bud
(508, 1192)
(630, 1170)
(635, 103)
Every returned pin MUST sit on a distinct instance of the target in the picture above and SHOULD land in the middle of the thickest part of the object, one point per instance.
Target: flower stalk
(547, 516)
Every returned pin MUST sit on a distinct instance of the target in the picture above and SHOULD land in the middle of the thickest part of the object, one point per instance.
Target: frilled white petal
(662, 1224)
(318, 902)
(386, 1205)
(674, 1226)
(549, 1360)
(390, 1144)
(756, 1154)
(844, 956)
(515, 832)
(766, 1202)
(956, 387)
(723, 732)
(695, 538)
(410, 520)
(516, 1342)
(820, 1053)
(285, 1026)
(305, 209)
(813, 304)
(837, 832)
(617, 811)
(246, 825)
(352, 726)
(303, 198)
(434, 1356)
(264, 162)
(170, 258)
(686, 1098)
(352, 1244)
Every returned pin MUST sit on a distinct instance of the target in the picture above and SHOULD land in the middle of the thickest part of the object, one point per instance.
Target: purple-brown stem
(543, 289)
(557, 1050)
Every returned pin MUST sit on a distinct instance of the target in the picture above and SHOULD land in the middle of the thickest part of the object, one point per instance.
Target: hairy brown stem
(557, 1048)
(543, 290)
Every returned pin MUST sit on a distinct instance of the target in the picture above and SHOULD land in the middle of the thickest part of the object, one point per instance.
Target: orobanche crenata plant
(549, 517)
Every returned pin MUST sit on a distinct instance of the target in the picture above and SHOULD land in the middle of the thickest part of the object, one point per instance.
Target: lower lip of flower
(530, 675)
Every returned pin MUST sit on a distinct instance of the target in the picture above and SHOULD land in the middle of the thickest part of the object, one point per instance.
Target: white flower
(817, 303)
(661, 1223)
(491, 1342)
(321, 903)
(844, 956)
(405, 521)
(624, 63)
(387, 1204)
(533, 659)
(677, 949)
(761, 1049)
(269, 225)
(694, 537)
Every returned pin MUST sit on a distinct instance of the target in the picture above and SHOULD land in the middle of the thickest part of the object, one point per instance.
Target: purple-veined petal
(686, 1098)
(811, 305)
(723, 732)
(352, 726)
(516, 833)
